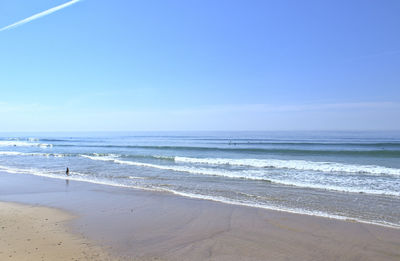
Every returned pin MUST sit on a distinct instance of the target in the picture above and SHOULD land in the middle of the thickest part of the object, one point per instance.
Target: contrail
(36, 16)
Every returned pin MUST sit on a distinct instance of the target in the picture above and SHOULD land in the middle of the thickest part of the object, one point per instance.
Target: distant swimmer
(67, 171)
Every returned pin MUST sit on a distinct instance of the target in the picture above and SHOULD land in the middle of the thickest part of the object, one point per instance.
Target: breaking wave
(17, 143)
(317, 181)
(294, 164)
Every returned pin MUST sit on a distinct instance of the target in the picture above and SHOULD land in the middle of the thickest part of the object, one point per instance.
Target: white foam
(73, 176)
(86, 178)
(17, 143)
(295, 164)
(133, 177)
(164, 157)
(279, 208)
(11, 153)
(187, 169)
(303, 181)
(352, 188)
(16, 153)
(97, 157)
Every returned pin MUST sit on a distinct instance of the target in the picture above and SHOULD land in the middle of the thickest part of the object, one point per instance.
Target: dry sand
(39, 233)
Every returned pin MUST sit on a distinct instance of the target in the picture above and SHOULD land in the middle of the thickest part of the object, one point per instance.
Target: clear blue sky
(200, 65)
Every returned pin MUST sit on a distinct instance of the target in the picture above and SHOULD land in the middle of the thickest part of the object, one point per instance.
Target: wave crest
(17, 143)
(294, 164)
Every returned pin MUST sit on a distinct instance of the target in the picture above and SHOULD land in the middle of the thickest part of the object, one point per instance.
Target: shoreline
(223, 201)
(144, 225)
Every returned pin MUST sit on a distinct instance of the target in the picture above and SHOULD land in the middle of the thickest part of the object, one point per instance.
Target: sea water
(343, 175)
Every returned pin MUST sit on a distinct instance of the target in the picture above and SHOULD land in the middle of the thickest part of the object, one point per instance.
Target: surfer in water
(67, 172)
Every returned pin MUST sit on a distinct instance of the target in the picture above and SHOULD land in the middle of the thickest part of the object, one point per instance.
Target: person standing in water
(67, 171)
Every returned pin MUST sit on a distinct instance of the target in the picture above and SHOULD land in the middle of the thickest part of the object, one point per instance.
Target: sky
(102, 65)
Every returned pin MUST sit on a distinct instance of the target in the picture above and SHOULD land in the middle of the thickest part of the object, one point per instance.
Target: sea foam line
(57, 155)
(348, 189)
(294, 164)
(17, 153)
(17, 143)
(282, 209)
(193, 170)
(81, 178)
(258, 175)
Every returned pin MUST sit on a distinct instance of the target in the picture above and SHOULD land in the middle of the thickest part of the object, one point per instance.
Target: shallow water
(353, 175)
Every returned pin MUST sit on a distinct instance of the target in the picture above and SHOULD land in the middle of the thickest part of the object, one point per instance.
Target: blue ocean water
(343, 175)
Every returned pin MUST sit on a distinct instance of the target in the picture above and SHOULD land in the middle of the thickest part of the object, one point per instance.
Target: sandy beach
(38, 233)
(200, 130)
(141, 225)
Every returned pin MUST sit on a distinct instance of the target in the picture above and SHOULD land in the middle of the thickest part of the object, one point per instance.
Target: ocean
(341, 175)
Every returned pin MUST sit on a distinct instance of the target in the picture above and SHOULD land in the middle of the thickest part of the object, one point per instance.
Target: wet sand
(146, 225)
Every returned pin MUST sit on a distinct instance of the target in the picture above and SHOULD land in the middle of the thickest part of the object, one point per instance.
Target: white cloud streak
(39, 15)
